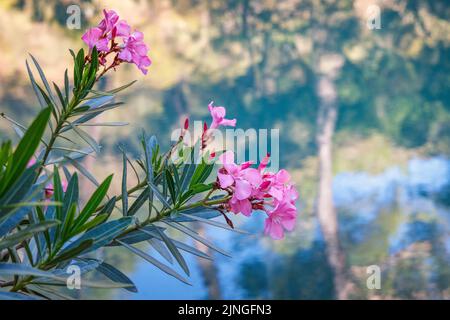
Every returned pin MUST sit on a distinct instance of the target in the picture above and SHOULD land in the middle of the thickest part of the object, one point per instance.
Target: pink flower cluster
(254, 188)
(131, 48)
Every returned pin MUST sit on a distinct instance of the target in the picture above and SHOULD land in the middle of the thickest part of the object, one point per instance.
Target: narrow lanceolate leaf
(173, 249)
(158, 194)
(87, 110)
(139, 202)
(180, 245)
(26, 233)
(73, 252)
(8, 223)
(44, 80)
(19, 190)
(72, 192)
(32, 204)
(149, 144)
(92, 203)
(103, 234)
(109, 206)
(114, 91)
(159, 246)
(85, 152)
(16, 269)
(34, 85)
(60, 96)
(155, 262)
(68, 219)
(66, 87)
(103, 124)
(83, 171)
(26, 148)
(94, 222)
(87, 138)
(124, 187)
(48, 292)
(213, 223)
(57, 192)
(171, 186)
(116, 275)
(195, 236)
(202, 212)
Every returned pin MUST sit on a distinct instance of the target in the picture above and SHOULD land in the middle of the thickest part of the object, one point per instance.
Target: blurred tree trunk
(326, 119)
(208, 268)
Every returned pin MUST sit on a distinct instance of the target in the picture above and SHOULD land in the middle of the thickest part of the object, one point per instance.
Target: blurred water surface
(273, 64)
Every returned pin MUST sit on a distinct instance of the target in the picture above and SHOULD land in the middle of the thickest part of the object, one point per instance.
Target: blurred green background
(364, 129)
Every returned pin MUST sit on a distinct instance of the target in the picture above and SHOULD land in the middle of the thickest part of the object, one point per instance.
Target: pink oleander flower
(109, 21)
(135, 51)
(114, 36)
(94, 37)
(282, 217)
(253, 189)
(242, 179)
(218, 117)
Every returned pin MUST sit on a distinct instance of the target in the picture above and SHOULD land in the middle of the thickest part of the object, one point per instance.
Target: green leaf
(109, 206)
(139, 202)
(68, 219)
(73, 252)
(116, 275)
(83, 171)
(92, 203)
(26, 233)
(102, 234)
(49, 103)
(44, 80)
(200, 187)
(124, 186)
(60, 96)
(103, 124)
(213, 223)
(195, 236)
(87, 138)
(159, 246)
(23, 270)
(178, 244)
(114, 91)
(19, 190)
(25, 149)
(173, 249)
(78, 69)
(66, 87)
(155, 262)
(159, 195)
(35, 88)
(171, 186)
(47, 292)
(72, 193)
(58, 192)
(94, 222)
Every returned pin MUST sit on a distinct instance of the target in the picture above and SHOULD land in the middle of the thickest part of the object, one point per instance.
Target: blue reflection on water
(359, 196)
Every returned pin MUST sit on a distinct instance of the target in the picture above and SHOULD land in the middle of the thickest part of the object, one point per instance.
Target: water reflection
(392, 219)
